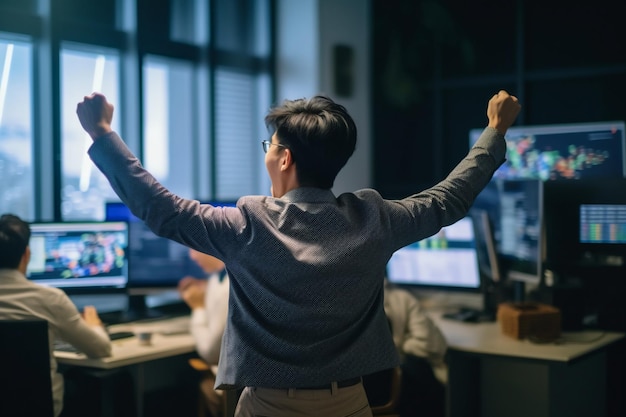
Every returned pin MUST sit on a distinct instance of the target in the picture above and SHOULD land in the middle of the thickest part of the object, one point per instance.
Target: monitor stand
(487, 313)
(519, 291)
(138, 310)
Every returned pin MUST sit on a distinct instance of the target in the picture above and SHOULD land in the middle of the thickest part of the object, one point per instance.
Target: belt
(340, 384)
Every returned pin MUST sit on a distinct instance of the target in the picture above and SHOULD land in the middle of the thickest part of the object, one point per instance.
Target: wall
(437, 63)
(307, 31)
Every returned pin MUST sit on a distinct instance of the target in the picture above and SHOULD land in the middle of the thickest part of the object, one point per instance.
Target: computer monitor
(447, 260)
(520, 229)
(585, 225)
(155, 263)
(515, 210)
(563, 151)
(488, 263)
(80, 257)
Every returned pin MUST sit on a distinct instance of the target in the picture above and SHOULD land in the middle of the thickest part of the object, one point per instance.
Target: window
(84, 189)
(168, 128)
(242, 100)
(190, 81)
(242, 96)
(16, 136)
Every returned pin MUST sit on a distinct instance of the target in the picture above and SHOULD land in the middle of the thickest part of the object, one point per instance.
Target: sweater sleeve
(93, 341)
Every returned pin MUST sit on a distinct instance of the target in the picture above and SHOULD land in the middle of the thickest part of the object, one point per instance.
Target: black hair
(320, 134)
(14, 237)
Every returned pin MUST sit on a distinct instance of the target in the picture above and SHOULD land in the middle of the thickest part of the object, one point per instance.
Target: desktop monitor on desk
(156, 264)
(585, 235)
(515, 209)
(488, 260)
(520, 229)
(585, 224)
(80, 257)
(446, 260)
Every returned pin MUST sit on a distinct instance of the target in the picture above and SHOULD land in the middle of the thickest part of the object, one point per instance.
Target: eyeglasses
(266, 145)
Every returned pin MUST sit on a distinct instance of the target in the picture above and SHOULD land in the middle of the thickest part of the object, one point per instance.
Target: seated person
(422, 349)
(23, 299)
(208, 300)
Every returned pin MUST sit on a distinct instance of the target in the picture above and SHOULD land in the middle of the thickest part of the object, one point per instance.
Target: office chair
(25, 380)
(383, 391)
(230, 396)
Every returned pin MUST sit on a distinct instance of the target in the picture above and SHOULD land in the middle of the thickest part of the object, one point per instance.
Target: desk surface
(480, 338)
(487, 338)
(129, 351)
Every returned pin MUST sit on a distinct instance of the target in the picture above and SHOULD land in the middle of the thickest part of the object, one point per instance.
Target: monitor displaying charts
(447, 259)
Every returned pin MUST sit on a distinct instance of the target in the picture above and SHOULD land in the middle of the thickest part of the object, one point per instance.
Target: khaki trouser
(336, 402)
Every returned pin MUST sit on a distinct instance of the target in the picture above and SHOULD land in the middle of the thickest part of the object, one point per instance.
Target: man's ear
(286, 159)
(25, 259)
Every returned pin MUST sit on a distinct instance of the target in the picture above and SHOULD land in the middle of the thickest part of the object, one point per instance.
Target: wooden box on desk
(536, 320)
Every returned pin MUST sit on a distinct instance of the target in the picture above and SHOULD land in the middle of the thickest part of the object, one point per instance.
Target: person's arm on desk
(85, 332)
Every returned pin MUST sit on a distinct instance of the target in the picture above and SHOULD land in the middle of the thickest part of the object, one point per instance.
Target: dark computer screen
(447, 260)
(488, 263)
(80, 257)
(154, 262)
(585, 222)
(565, 151)
(515, 207)
(156, 265)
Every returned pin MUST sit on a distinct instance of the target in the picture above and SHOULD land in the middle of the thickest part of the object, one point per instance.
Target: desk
(493, 375)
(155, 367)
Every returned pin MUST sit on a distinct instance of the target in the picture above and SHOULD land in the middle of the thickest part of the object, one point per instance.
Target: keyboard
(469, 315)
(120, 335)
(63, 346)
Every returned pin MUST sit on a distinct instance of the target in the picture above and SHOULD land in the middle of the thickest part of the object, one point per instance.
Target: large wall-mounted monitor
(447, 260)
(563, 151)
(80, 257)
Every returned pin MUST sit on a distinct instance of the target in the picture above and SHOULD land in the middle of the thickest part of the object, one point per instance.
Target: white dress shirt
(413, 331)
(24, 299)
(208, 323)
